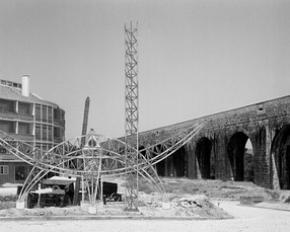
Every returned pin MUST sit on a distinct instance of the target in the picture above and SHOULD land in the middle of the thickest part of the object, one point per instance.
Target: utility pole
(131, 113)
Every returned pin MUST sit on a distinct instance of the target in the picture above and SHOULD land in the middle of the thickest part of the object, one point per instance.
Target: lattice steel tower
(131, 112)
(131, 80)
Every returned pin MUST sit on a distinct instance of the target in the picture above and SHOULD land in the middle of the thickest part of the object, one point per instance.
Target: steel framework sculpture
(93, 156)
(101, 156)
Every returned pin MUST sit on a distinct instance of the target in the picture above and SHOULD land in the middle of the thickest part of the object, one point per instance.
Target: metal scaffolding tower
(131, 112)
(131, 80)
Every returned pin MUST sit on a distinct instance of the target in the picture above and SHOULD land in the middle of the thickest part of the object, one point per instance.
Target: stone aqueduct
(218, 152)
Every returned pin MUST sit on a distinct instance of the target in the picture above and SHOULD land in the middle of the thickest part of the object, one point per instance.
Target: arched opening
(281, 151)
(179, 161)
(160, 166)
(203, 155)
(240, 153)
(174, 165)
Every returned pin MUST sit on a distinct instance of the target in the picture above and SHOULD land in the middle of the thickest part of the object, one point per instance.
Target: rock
(285, 196)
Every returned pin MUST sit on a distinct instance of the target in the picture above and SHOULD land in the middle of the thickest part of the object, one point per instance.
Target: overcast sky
(196, 57)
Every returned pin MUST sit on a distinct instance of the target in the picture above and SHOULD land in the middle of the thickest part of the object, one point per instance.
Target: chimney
(25, 86)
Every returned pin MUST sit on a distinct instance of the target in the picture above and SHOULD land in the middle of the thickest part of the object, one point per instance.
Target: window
(38, 112)
(24, 108)
(7, 106)
(56, 132)
(44, 132)
(62, 114)
(50, 114)
(24, 128)
(4, 170)
(58, 114)
(21, 172)
(50, 133)
(44, 114)
(3, 150)
(7, 126)
(38, 131)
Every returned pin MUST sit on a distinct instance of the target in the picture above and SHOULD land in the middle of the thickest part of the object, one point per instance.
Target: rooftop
(12, 91)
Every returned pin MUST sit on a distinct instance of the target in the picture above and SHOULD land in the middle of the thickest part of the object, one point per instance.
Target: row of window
(11, 84)
(43, 132)
(7, 106)
(10, 127)
(21, 172)
(48, 132)
(43, 113)
(7, 126)
(4, 170)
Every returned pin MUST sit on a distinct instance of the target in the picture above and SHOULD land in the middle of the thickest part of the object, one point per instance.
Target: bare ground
(184, 198)
(247, 219)
(214, 189)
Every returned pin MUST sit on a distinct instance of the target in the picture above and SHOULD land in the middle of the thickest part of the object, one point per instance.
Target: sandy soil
(185, 198)
(214, 189)
(150, 205)
(246, 219)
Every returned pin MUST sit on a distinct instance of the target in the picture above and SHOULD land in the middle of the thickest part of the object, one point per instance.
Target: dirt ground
(184, 198)
(247, 219)
(197, 206)
(214, 189)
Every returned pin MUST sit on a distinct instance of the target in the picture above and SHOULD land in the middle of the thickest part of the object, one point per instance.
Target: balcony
(14, 116)
(26, 138)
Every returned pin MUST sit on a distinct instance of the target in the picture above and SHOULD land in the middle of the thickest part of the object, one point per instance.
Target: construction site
(228, 171)
(174, 171)
(92, 171)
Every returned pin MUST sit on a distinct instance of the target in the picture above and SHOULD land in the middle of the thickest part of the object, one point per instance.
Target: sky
(195, 57)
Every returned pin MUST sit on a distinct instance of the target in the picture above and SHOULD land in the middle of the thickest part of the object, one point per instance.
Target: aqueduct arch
(241, 159)
(281, 151)
(203, 156)
(228, 133)
(260, 122)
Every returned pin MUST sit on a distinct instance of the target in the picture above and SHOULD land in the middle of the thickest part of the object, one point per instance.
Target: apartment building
(30, 119)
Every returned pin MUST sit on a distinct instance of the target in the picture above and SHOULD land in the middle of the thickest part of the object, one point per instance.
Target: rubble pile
(197, 206)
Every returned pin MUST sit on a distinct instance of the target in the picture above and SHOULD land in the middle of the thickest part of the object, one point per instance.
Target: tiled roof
(15, 94)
